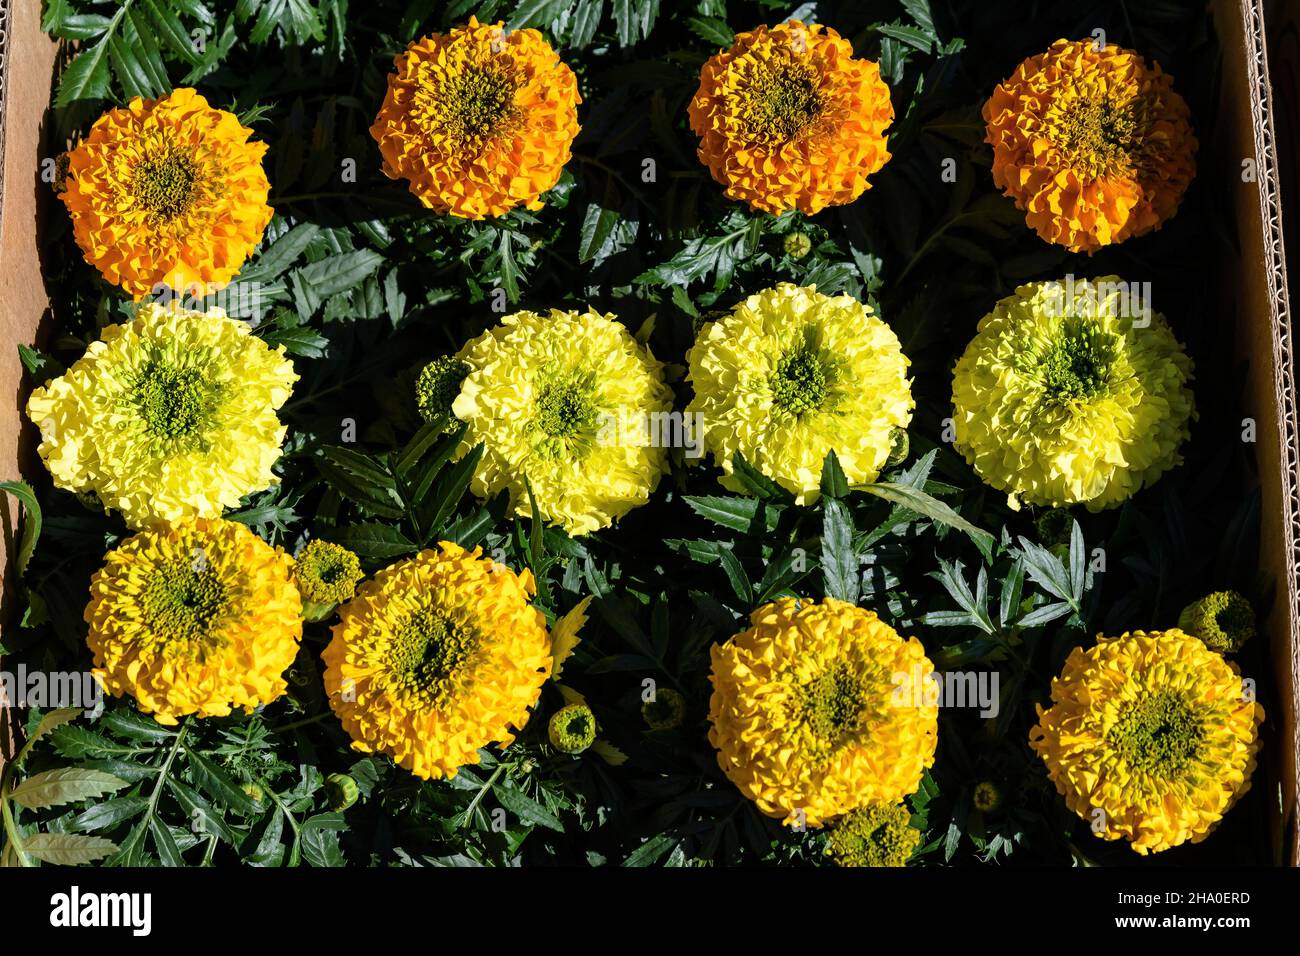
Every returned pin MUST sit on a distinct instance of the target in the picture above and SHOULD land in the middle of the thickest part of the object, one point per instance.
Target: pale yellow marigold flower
(437, 656)
(1151, 738)
(788, 119)
(1093, 145)
(821, 709)
(791, 374)
(478, 120)
(1071, 394)
(170, 415)
(167, 191)
(197, 617)
(569, 403)
(877, 835)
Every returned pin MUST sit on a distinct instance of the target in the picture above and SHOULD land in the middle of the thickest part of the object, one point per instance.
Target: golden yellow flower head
(1093, 145)
(572, 728)
(196, 617)
(1224, 620)
(879, 834)
(327, 574)
(565, 402)
(167, 191)
(788, 119)
(1071, 393)
(1151, 737)
(791, 374)
(819, 710)
(437, 656)
(478, 120)
(169, 415)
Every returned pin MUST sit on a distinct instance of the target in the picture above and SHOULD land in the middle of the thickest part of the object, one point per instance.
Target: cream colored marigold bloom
(437, 656)
(791, 374)
(788, 119)
(821, 709)
(1151, 738)
(197, 617)
(564, 402)
(478, 120)
(1070, 394)
(167, 191)
(1094, 145)
(170, 415)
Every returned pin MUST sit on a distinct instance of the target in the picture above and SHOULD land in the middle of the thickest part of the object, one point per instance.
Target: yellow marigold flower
(788, 119)
(1151, 737)
(1068, 394)
(1093, 145)
(791, 374)
(565, 403)
(196, 617)
(1224, 620)
(167, 191)
(327, 575)
(169, 415)
(879, 834)
(437, 656)
(819, 709)
(572, 728)
(478, 120)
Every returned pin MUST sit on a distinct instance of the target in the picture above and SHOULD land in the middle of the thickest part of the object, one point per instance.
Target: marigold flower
(665, 711)
(986, 797)
(572, 728)
(169, 415)
(1064, 397)
(437, 387)
(819, 709)
(1151, 737)
(196, 617)
(564, 404)
(437, 656)
(1093, 145)
(478, 120)
(788, 119)
(167, 192)
(791, 374)
(879, 834)
(327, 575)
(1224, 620)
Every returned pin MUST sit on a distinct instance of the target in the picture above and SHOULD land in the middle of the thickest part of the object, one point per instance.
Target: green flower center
(182, 600)
(1100, 136)
(1159, 735)
(573, 728)
(476, 102)
(565, 414)
(834, 704)
(327, 573)
(875, 835)
(426, 651)
(802, 380)
(176, 404)
(784, 104)
(165, 184)
(1077, 366)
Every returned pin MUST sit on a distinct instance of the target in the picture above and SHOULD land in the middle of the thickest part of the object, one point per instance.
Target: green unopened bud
(899, 449)
(1224, 620)
(797, 245)
(1054, 527)
(326, 575)
(879, 834)
(572, 729)
(341, 790)
(437, 387)
(987, 797)
(253, 792)
(666, 710)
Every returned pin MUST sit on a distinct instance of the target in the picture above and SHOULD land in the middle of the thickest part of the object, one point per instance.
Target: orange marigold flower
(478, 120)
(1093, 145)
(167, 191)
(788, 119)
